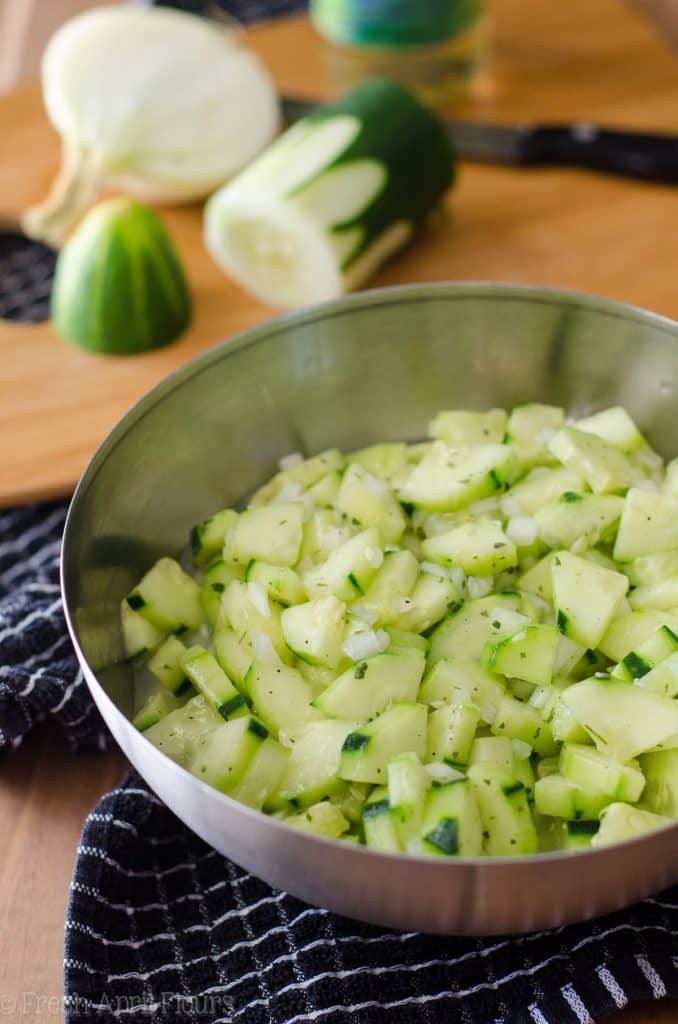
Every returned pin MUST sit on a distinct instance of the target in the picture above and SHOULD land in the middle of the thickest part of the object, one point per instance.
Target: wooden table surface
(556, 227)
(560, 227)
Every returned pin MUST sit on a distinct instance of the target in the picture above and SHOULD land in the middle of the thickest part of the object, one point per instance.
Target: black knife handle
(652, 157)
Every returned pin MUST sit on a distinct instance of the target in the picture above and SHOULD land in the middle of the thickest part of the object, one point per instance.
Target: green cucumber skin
(397, 130)
(119, 287)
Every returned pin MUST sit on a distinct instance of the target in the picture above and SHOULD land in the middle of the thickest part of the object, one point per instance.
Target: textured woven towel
(162, 929)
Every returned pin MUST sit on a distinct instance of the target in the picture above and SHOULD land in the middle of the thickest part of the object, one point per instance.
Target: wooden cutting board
(555, 227)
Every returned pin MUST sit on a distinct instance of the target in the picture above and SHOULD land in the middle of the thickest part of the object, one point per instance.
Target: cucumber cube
(529, 429)
(479, 548)
(369, 687)
(349, 569)
(224, 754)
(638, 663)
(595, 771)
(616, 427)
(449, 478)
(579, 521)
(159, 703)
(451, 821)
(407, 786)
(649, 525)
(459, 427)
(168, 598)
(469, 627)
(663, 595)
(263, 775)
(388, 461)
(495, 750)
(234, 656)
(138, 634)
(378, 823)
(451, 732)
(520, 721)
(203, 670)
(559, 797)
(367, 751)
(604, 467)
(540, 487)
(586, 597)
(209, 537)
(180, 732)
(528, 654)
(628, 632)
(311, 774)
(620, 821)
(463, 682)
(508, 827)
(280, 582)
(315, 631)
(430, 600)
(281, 698)
(370, 501)
(623, 720)
(167, 665)
(660, 768)
(394, 581)
(272, 533)
(321, 819)
(216, 578)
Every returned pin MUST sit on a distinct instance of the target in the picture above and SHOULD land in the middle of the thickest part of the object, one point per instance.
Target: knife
(633, 154)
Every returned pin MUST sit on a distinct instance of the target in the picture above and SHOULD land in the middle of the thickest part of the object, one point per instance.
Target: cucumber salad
(466, 646)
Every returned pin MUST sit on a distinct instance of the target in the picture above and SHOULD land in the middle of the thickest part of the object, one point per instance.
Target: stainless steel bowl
(371, 367)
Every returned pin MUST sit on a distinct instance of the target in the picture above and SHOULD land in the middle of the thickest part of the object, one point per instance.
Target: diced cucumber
(224, 754)
(528, 654)
(579, 521)
(572, 835)
(378, 824)
(616, 427)
(179, 733)
(263, 775)
(234, 657)
(280, 582)
(451, 821)
(468, 628)
(592, 770)
(305, 475)
(451, 732)
(662, 679)
(529, 429)
(138, 634)
(317, 677)
(605, 469)
(370, 501)
(203, 670)
(430, 600)
(660, 769)
(369, 687)
(349, 569)
(324, 493)
(508, 827)
(520, 721)
(249, 620)
(366, 751)
(620, 821)
(565, 727)
(453, 478)
(404, 640)
(459, 427)
(537, 579)
(479, 548)
(495, 750)
(281, 698)
(585, 597)
(208, 537)
(311, 774)
(407, 787)
(663, 595)
(652, 568)
(540, 487)
(167, 597)
(167, 665)
(388, 461)
(394, 581)
(463, 682)
(351, 801)
(623, 720)
(271, 533)
(321, 819)
(648, 526)
(559, 797)
(639, 662)
(630, 631)
(315, 631)
(521, 770)
(218, 574)
(159, 703)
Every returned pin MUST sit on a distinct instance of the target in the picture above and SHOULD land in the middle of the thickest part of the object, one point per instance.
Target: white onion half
(150, 100)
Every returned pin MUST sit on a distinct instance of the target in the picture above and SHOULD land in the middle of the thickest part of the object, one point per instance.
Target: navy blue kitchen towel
(162, 929)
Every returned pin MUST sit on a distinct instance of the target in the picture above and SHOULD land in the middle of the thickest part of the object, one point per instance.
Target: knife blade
(651, 157)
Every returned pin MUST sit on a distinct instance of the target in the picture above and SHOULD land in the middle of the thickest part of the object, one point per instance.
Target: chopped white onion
(373, 556)
(441, 772)
(479, 586)
(522, 530)
(290, 461)
(259, 598)
(263, 648)
(366, 644)
(453, 573)
(521, 750)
